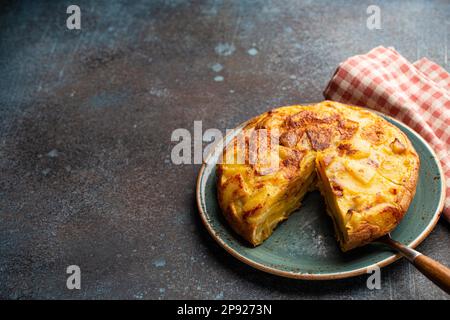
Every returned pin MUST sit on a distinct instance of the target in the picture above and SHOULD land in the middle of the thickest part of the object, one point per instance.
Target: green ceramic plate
(304, 246)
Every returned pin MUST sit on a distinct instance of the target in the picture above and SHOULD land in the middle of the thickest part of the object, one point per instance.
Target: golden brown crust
(357, 149)
(411, 184)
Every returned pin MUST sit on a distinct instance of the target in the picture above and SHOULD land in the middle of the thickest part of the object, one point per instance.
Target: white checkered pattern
(418, 94)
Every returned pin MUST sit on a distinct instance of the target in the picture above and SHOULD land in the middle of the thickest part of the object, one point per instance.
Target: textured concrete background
(85, 124)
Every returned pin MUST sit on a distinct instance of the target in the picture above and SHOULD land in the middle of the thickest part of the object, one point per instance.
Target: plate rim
(323, 276)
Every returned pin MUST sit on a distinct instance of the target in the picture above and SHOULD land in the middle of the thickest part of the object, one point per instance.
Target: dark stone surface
(86, 119)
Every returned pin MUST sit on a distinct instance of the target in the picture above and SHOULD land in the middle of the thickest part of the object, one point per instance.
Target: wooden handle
(434, 271)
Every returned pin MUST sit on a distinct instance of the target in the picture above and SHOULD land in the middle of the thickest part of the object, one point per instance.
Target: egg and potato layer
(365, 168)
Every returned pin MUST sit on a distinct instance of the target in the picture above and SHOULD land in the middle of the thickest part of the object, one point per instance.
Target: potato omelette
(365, 168)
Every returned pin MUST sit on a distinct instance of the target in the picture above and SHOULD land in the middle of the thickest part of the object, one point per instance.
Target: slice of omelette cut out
(365, 168)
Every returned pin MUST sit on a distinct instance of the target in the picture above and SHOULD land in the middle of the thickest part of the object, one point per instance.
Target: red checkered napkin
(418, 94)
